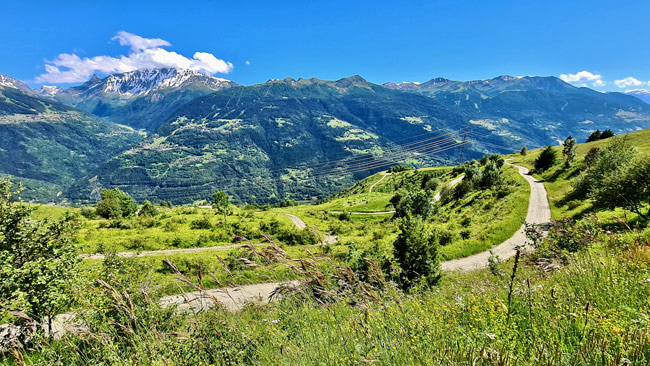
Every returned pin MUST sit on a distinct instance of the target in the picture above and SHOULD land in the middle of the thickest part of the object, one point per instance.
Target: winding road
(377, 182)
(539, 212)
(233, 298)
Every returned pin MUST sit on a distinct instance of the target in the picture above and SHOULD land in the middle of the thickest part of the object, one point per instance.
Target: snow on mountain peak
(142, 82)
(9, 82)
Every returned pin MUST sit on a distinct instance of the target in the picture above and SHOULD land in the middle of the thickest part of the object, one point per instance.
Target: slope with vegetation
(47, 145)
(580, 296)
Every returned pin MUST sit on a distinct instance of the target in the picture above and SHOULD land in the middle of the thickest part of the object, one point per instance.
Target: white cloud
(628, 81)
(247, 63)
(138, 43)
(581, 76)
(598, 83)
(145, 53)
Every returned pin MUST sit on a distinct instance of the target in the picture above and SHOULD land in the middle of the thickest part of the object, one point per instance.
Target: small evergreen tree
(416, 250)
(523, 151)
(221, 203)
(606, 134)
(569, 150)
(546, 159)
(595, 136)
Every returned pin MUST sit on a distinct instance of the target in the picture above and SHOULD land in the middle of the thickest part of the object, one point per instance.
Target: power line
(392, 155)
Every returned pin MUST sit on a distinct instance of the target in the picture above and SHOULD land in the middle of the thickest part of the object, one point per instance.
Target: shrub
(345, 216)
(116, 204)
(629, 188)
(523, 151)
(416, 252)
(573, 236)
(38, 262)
(546, 159)
(148, 209)
(418, 203)
(88, 212)
(201, 223)
(491, 177)
(613, 160)
(591, 157)
(399, 168)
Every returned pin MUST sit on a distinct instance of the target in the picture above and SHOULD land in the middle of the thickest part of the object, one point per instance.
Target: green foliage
(38, 262)
(416, 252)
(491, 177)
(597, 135)
(221, 202)
(523, 151)
(417, 202)
(569, 150)
(148, 209)
(612, 161)
(399, 168)
(116, 204)
(546, 159)
(628, 188)
(202, 223)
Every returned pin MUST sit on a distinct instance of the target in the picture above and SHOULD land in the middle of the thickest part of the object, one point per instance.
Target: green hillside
(48, 146)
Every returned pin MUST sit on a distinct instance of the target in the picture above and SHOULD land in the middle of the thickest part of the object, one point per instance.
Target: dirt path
(436, 198)
(161, 252)
(539, 212)
(377, 182)
(234, 298)
(451, 184)
(328, 238)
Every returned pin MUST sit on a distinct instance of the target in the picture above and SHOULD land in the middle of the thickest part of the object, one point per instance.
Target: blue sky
(380, 40)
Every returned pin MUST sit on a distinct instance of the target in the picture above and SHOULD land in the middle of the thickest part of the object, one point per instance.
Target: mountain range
(283, 139)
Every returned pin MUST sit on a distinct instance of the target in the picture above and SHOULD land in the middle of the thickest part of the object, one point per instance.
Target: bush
(345, 216)
(88, 212)
(546, 159)
(591, 157)
(399, 168)
(628, 188)
(523, 151)
(416, 252)
(148, 209)
(611, 161)
(418, 203)
(38, 262)
(202, 223)
(116, 204)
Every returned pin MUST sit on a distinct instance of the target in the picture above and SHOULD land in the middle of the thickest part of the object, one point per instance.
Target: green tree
(627, 188)
(148, 209)
(606, 134)
(569, 150)
(38, 262)
(612, 160)
(595, 136)
(416, 250)
(491, 175)
(416, 203)
(546, 159)
(116, 204)
(523, 151)
(221, 203)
